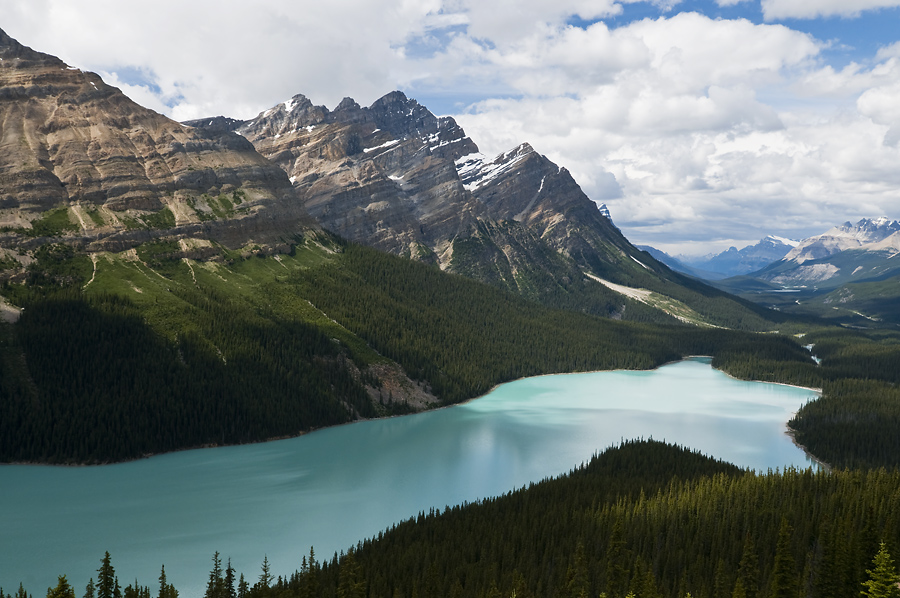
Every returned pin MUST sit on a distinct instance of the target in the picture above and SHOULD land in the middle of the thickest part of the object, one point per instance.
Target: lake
(333, 487)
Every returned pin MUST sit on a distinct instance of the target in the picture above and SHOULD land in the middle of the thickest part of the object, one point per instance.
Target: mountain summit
(114, 174)
(398, 178)
(862, 235)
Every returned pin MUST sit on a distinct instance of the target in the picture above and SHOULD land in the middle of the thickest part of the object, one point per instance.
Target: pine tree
(747, 583)
(617, 572)
(89, 590)
(166, 590)
(883, 578)
(784, 576)
(577, 575)
(62, 589)
(351, 584)
(230, 592)
(106, 578)
(216, 584)
(265, 576)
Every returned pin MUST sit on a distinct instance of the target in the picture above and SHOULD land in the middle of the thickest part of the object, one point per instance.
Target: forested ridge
(157, 353)
(644, 519)
(855, 423)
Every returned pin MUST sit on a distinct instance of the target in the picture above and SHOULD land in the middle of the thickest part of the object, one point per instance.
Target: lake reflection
(333, 487)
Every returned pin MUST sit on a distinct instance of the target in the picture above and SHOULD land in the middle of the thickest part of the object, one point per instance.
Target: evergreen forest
(120, 356)
(643, 520)
(128, 355)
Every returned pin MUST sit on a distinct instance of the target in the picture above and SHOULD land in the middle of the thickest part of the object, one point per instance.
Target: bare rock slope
(396, 177)
(123, 173)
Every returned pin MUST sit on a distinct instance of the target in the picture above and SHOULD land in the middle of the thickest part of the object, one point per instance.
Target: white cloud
(230, 56)
(811, 9)
(730, 2)
(696, 152)
(695, 131)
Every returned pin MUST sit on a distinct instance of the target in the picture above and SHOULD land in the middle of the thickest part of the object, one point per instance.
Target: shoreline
(436, 408)
(792, 434)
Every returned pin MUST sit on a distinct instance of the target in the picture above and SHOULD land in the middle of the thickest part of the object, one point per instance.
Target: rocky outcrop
(69, 142)
(396, 177)
(864, 233)
(382, 175)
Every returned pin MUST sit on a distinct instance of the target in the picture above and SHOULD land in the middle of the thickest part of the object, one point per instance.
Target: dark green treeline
(88, 378)
(645, 518)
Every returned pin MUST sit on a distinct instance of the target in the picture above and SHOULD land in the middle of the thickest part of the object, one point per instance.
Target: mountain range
(731, 262)
(85, 166)
(848, 272)
(212, 272)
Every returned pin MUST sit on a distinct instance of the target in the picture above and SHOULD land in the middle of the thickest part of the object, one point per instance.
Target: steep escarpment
(396, 177)
(105, 170)
(382, 175)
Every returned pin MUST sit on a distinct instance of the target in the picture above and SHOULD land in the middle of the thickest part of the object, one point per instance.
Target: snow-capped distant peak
(604, 211)
(861, 235)
(784, 240)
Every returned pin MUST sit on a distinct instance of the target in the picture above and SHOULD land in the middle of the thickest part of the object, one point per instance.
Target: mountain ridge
(116, 174)
(395, 177)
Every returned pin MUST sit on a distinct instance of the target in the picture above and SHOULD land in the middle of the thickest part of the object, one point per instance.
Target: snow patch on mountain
(811, 274)
(475, 170)
(783, 240)
(866, 234)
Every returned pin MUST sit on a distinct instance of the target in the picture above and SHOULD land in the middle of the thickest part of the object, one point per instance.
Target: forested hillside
(149, 351)
(645, 519)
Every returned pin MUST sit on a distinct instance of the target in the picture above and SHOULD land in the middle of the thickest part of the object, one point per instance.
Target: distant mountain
(868, 235)
(848, 272)
(824, 260)
(679, 266)
(736, 262)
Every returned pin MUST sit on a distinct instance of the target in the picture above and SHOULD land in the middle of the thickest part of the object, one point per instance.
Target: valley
(168, 286)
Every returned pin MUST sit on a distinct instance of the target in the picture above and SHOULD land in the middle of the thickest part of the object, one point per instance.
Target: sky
(700, 123)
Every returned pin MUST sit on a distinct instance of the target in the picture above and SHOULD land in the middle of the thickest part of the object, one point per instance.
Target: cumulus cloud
(811, 9)
(230, 56)
(694, 150)
(697, 132)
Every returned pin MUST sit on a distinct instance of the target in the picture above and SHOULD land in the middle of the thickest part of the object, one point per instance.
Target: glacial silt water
(333, 487)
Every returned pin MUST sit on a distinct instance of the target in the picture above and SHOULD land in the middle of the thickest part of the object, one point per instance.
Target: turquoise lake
(336, 486)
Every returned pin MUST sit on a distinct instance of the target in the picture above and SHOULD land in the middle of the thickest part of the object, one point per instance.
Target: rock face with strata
(382, 175)
(70, 142)
(396, 177)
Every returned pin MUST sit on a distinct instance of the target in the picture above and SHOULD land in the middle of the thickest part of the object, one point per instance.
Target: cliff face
(382, 175)
(400, 179)
(70, 142)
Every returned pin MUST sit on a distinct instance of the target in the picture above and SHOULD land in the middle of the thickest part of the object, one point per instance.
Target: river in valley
(335, 486)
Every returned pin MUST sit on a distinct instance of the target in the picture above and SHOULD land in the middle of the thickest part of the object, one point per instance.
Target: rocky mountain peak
(10, 49)
(403, 117)
(862, 235)
(867, 230)
(122, 173)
